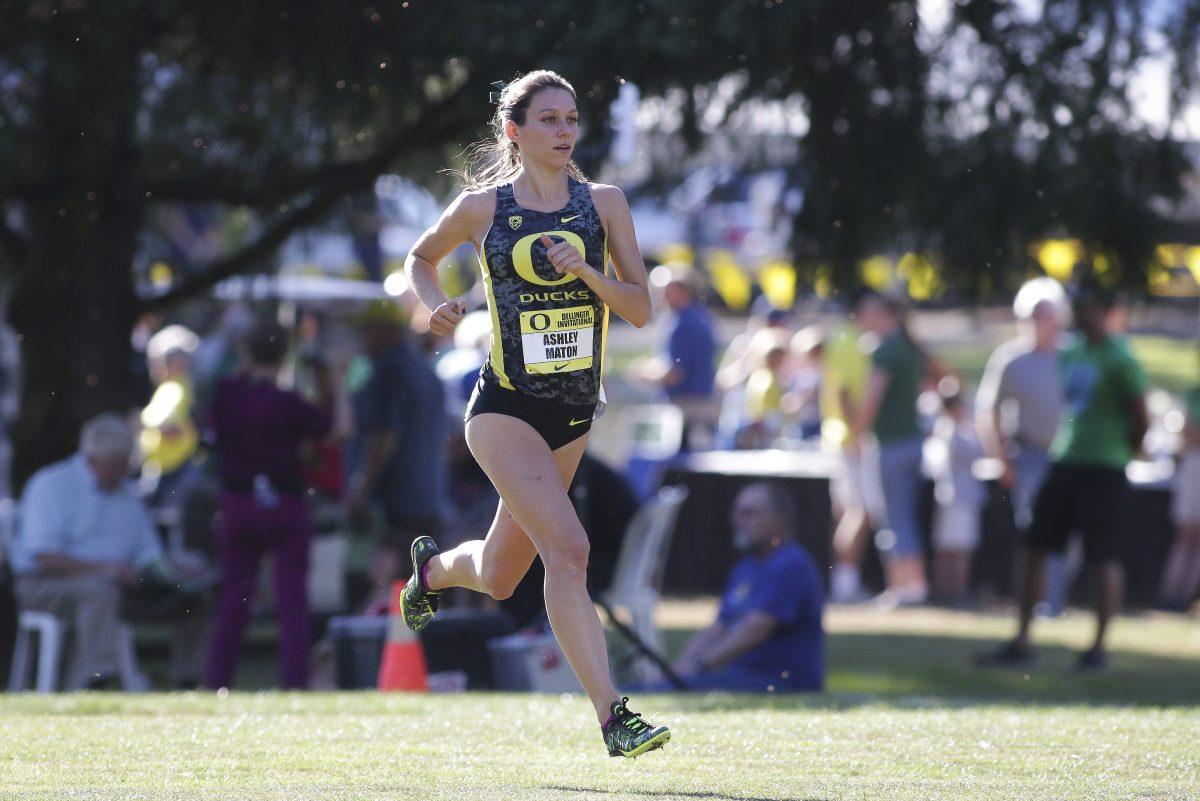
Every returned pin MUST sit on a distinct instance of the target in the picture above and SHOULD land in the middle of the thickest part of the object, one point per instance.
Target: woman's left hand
(564, 256)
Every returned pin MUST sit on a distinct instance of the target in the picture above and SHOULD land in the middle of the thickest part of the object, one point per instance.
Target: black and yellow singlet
(548, 330)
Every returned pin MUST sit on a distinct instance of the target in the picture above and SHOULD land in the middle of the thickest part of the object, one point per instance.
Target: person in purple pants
(257, 430)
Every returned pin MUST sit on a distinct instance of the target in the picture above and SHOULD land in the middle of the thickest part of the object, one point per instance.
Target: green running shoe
(418, 603)
(627, 734)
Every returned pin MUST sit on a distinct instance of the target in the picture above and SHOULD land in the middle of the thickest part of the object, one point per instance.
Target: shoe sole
(650, 745)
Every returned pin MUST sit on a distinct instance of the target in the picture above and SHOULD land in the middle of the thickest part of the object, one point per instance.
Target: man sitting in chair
(83, 537)
(767, 636)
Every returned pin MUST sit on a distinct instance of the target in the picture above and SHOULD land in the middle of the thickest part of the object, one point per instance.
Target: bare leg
(1033, 578)
(951, 569)
(528, 479)
(1182, 573)
(497, 564)
(849, 542)
(906, 576)
(1108, 586)
(1191, 582)
(503, 558)
(850, 536)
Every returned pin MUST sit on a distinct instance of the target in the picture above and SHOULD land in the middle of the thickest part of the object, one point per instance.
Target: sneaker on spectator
(1093, 660)
(1010, 655)
(901, 598)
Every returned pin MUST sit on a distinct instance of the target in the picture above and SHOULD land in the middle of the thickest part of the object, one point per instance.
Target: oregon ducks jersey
(548, 329)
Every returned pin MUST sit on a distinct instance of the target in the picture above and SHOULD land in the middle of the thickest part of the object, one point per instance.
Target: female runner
(544, 235)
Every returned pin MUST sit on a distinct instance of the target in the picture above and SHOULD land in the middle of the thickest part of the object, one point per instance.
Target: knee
(568, 555)
(499, 583)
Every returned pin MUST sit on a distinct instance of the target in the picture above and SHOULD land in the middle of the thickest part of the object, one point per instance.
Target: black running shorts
(557, 423)
(1084, 498)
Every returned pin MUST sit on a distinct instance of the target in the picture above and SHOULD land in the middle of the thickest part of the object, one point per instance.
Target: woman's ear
(512, 131)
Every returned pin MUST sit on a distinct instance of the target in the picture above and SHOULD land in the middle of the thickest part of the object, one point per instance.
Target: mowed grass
(906, 717)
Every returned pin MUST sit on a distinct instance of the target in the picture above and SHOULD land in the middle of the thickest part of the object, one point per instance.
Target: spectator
(768, 634)
(170, 437)
(84, 536)
(854, 484)
(889, 412)
(397, 455)
(745, 350)
(1181, 579)
(1103, 423)
(691, 357)
(733, 380)
(217, 354)
(1019, 404)
(802, 402)
(257, 429)
(764, 400)
(959, 496)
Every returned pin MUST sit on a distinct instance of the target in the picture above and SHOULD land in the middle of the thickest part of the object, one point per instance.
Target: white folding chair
(51, 641)
(49, 633)
(637, 579)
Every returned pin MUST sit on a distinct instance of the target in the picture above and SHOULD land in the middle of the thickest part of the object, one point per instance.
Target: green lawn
(905, 718)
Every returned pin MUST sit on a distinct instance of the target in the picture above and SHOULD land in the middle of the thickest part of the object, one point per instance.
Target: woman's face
(550, 130)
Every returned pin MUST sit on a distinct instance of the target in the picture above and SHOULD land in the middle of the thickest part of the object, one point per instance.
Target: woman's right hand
(446, 317)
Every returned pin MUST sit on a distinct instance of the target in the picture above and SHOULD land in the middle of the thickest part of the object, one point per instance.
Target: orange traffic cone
(403, 663)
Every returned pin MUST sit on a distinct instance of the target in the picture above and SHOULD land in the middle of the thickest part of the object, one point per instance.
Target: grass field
(904, 718)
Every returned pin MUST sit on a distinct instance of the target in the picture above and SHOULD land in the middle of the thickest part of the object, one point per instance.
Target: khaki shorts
(956, 527)
(855, 482)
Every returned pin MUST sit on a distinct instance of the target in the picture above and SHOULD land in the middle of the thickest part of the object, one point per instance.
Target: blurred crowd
(264, 432)
(862, 387)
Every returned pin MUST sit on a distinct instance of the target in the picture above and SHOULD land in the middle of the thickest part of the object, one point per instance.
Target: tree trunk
(73, 307)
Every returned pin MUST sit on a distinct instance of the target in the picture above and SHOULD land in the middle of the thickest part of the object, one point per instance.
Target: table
(702, 553)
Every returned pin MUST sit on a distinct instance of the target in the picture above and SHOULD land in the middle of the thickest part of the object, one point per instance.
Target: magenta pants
(247, 533)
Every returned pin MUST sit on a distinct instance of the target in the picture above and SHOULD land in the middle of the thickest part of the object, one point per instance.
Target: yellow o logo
(522, 256)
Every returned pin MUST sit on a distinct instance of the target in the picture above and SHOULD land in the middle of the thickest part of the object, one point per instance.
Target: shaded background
(149, 150)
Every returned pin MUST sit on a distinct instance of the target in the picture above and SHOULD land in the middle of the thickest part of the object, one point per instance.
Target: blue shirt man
(66, 511)
(397, 455)
(84, 535)
(691, 346)
(768, 635)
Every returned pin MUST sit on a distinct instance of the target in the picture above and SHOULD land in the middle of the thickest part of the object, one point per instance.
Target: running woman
(544, 235)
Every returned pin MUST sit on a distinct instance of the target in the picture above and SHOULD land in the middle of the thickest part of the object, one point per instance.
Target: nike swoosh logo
(558, 367)
(568, 219)
(574, 422)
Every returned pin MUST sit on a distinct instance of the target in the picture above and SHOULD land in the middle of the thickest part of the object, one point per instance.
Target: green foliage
(965, 143)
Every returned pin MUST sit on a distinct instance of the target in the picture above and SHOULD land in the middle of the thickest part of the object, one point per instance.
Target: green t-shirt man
(1100, 381)
(1192, 405)
(897, 416)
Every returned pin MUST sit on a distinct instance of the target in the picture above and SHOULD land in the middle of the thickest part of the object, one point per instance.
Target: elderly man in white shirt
(83, 535)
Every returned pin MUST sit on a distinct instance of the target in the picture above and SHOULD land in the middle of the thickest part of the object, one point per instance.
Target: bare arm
(59, 564)
(698, 645)
(864, 418)
(1139, 422)
(751, 631)
(465, 220)
(627, 294)
(378, 450)
(987, 423)
(1191, 431)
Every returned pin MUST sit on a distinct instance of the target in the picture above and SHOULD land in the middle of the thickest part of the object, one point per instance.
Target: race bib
(558, 340)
